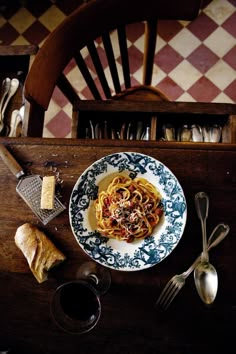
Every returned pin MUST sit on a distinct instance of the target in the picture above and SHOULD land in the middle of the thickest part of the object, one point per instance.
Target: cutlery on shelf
(177, 282)
(87, 133)
(139, 130)
(128, 133)
(215, 133)
(132, 132)
(113, 134)
(92, 129)
(184, 133)
(197, 135)
(206, 132)
(146, 134)
(122, 131)
(169, 132)
(5, 89)
(11, 92)
(105, 130)
(96, 131)
(15, 124)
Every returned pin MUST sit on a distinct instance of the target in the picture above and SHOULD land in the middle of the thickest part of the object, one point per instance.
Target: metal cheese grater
(29, 188)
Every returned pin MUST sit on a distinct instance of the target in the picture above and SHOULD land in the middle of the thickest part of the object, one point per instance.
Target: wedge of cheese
(48, 192)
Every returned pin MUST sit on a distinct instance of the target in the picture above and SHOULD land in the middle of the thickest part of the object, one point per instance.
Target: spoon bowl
(206, 281)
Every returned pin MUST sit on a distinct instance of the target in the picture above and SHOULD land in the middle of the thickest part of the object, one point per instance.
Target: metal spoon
(196, 133)
(177, 282)
(15, 124)
(146, 134)
(215, 135)
(5, 88)
(205, 275)
(92, 129)
(13, 88)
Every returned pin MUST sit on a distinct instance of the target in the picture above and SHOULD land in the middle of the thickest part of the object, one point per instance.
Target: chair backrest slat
(86, 75)
(149, 50)
(111, 61)
(68, 90)
(124, 55)
(99, 69)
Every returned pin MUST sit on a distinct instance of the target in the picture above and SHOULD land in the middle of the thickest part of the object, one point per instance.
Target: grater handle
(11, 163)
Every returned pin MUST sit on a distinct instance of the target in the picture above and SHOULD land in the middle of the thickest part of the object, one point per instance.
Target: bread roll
(40, 252)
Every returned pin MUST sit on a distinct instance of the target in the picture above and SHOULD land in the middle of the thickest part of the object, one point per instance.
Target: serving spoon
(205, 275)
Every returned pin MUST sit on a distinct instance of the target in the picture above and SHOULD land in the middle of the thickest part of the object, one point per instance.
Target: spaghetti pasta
(129, 209)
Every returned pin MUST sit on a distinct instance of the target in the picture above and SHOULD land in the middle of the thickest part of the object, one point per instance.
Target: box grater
(29, 188)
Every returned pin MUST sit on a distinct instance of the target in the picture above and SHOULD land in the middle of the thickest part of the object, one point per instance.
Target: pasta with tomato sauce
(129, 209)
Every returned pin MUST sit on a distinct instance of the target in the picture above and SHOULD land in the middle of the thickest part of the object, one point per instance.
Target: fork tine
(165, 292)
(171, 297)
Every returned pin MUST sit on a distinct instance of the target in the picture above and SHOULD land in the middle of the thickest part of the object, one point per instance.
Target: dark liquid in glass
(79, 302)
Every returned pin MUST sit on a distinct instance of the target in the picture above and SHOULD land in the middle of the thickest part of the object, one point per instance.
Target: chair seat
(141, 93)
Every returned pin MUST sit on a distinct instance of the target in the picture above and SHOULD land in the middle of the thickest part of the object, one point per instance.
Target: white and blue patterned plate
(121, 255)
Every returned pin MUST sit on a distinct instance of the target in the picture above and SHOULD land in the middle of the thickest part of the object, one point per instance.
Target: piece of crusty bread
(40, 252)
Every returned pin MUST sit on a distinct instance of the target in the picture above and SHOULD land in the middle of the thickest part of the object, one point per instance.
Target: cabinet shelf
(115, 119)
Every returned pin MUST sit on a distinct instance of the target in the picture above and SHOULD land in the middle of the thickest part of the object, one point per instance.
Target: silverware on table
(177, 282)
(205, 274)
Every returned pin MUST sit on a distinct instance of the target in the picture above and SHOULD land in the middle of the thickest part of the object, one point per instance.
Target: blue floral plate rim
(120, 255)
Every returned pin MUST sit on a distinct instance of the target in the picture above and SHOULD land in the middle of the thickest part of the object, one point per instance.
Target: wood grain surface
(129, 323)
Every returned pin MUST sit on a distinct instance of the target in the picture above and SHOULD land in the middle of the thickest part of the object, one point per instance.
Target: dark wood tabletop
(129, 323)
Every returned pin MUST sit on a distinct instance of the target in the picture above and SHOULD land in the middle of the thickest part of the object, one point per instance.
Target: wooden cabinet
(112, 119)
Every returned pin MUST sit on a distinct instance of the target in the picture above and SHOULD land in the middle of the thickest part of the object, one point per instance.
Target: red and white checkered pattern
(195, 61)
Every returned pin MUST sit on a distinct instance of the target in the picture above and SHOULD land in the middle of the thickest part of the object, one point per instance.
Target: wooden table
(129, 324)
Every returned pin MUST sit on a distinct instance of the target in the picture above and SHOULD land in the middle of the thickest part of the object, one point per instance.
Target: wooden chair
(96, 20)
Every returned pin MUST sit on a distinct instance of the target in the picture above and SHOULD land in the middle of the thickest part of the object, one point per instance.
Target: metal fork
(177, 282)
